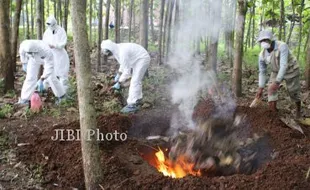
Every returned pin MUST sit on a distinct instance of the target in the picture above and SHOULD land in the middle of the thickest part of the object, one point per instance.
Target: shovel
(256, 103)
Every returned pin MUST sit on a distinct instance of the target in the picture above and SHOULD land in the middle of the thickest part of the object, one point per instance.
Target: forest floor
(29, 159)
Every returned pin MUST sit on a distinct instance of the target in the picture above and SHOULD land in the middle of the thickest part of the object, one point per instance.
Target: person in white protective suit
(33, 54)
(55, 36)
(133, 57)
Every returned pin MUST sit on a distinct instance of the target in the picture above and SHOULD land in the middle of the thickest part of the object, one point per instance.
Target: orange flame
(178, 169)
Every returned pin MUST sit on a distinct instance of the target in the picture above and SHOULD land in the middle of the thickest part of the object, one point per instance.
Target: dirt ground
(61, 164)
(29, 159)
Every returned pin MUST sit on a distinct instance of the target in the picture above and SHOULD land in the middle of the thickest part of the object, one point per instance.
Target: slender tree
(39, 20)
(107, 16)
(237, 71)
(15, 32)
(43, 15)
(32, 18)
(152, 21)
(55, 9)
(253, 24)
(6, 70)
(66, 12)
(27, 23)
(308, 64)
(169, 21)
(247, 40)
(144, 23)
(90, 21)
(59, 12)
(48, 8)
(300, 27)
(282, 21)
(99, 36)
(132, 2)
(117, 21)
(292, 23)
(160, 45)
(90, 147)
(212, 49)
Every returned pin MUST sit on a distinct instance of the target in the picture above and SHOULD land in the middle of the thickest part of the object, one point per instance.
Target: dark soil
(123, 168)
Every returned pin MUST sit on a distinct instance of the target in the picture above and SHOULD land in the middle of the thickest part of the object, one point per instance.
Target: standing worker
(55, 36)
(284, 66)
(33, 54)
(133, 57)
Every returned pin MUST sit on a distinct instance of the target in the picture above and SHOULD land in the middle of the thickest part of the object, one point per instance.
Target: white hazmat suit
(36, 53)
(55, 36)
(130, 56)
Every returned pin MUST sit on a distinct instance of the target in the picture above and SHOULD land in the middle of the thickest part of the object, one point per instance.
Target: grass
(6, 111)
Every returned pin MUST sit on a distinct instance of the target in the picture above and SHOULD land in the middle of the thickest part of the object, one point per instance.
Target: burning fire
(178, 169)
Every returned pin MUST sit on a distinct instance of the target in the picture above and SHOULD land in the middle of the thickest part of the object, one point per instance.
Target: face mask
(265, 45)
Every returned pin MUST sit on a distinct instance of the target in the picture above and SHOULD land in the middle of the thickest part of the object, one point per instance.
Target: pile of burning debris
(212, 149)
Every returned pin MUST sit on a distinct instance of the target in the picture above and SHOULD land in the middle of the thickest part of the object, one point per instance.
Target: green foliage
(4, 140)
(10, 94)
(250, 57)
(111, 106)
(6, 111)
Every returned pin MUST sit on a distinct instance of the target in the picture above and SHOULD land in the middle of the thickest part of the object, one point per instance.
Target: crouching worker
(283, 67)
(133, 57)
(33, 54)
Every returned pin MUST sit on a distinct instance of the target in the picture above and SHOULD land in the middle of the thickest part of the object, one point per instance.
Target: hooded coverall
(36, 53)
(56, 36)
(130, 56)
(284, 66)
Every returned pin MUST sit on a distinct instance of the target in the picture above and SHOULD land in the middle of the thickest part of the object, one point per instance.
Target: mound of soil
(123, 167)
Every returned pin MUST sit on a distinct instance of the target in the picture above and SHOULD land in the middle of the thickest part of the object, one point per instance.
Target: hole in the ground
(246, 160)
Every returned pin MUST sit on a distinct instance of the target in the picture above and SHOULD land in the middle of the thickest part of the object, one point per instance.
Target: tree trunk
(144, 24)
(292, 24)
(6, 70)
(59, 12)
(253, 26)
(39, 21)
(229, 32)
(169, 21)
(152, 21)
(117, 21)
(307, 73)
(32, 18)
(90, 21)
(106, 34)
(237, 71)
(27, 23)
(261, 20)
(160, 44)
(24, 28)
(300, 28)
(214, 38)
(90, 148)
(55, 9)
(132, 2)
(99, 36)
(48, 8)
(247, 41)
(15, 32)
(166, 15)
(42, 16)
(65, 20)
(282, 21)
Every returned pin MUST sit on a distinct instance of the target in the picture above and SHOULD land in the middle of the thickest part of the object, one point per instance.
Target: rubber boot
(273, 106)
(298, 110)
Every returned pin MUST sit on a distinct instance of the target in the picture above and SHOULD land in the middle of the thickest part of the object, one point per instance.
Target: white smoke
(197, 21)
